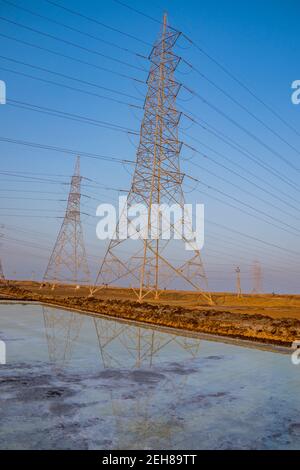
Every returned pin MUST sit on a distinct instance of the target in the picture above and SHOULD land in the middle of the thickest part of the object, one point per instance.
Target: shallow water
(75, 382)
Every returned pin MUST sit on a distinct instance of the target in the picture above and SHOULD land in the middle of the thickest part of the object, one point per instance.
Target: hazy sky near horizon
(250, 188)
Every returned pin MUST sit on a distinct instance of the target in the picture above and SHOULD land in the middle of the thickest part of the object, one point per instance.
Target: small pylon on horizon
(257, 278)
(238, 281)
(68, 262)
(2, 277)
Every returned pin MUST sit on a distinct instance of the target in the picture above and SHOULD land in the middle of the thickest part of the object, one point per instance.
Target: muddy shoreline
(223, 323)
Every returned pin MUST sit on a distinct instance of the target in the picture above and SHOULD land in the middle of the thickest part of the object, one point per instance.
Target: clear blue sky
(256, 41)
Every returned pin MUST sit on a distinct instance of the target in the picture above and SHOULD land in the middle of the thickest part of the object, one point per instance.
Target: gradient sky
(258, 42)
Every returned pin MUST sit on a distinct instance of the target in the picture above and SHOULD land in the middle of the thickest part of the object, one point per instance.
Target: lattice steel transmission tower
(257, 278)
(68, 262)
(2, 277)
(157, 180)
(238, 281)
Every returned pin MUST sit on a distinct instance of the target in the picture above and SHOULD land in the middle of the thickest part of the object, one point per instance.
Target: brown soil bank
(217, 320)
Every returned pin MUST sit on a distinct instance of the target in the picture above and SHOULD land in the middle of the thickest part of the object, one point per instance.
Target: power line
(139, 12)
(234, 242)
(33, 178)
(70, 43)
(80, 61)
(248, 213)
(68, 87)
(190, 118)
(71, 116)
(112, 159)
(31, 175)
(244, 108)
(85, 82)
(104, 25)
(124, 129)
(68, 257)
(35, 173)
(247, 192)
(39, 180)
(240, 83)
(254, 238)
(222, 67)
(236, 173)
(22, 198)
(67, 77)
(21, 229)
(124, 49)
(28, 191)
(56, 175)
(66, 150)
(27, 209)
(243, 151)
(250, 134)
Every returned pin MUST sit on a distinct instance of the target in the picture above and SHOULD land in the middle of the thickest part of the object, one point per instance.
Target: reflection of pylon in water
(257, 278)
(157, 180)
(140, 346)
(68, 262)
(146, 417)
(149, 414)
(62, 331)
(137, 344)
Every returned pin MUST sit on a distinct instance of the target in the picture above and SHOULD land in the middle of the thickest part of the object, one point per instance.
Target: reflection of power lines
(146, 377)
(124, 345)
(148, 416)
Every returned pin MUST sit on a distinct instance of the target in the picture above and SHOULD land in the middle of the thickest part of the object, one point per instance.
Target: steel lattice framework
(238, 281)
(257, 278)
(62, 330)
(68, 262)
(2, 277)
(157, 180)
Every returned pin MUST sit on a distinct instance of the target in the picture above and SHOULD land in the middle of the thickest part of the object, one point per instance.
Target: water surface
(75, 382)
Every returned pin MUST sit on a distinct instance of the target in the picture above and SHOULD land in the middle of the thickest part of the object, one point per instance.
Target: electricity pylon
(257, 278)
(238, 282)
(2, 277)
(157, 180)
(68, 262)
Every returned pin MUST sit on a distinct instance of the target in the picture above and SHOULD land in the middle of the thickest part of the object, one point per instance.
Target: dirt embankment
(255, 327)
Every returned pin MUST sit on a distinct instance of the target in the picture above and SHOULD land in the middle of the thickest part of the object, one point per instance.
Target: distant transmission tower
(157, 180)
(257, 278)
(2, 277)
(68, 262)
(238, 281)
